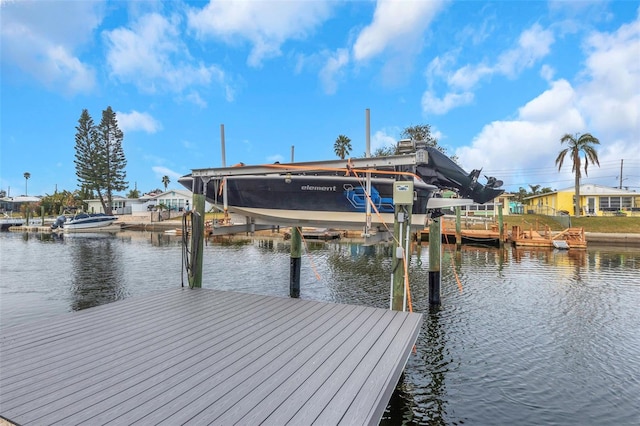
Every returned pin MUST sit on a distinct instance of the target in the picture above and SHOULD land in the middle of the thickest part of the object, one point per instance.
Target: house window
(608, 203)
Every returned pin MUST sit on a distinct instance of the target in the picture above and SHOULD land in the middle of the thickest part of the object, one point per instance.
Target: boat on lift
(312, 194)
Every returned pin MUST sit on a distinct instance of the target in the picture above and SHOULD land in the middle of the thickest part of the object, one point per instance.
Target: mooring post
(197, 234)
(294, 270)
(500, 226)
(458, 229)
(435, 244)
(397, 272)
(42, 214)
(397, 275)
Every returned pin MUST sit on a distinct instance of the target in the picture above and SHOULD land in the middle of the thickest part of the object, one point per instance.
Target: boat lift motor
(403, 192)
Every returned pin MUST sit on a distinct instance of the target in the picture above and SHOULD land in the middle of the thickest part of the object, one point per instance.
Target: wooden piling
(435, 244)
(294, 270)
(197, 239)
(458, 230)
(500, 226)
(401, 221)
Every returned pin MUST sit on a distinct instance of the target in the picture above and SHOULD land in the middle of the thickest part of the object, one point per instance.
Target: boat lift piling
(458, 230)
(197, 232)
(500, 226)
(367, 226)
(435, 245)
(295, 262)
(225, 205)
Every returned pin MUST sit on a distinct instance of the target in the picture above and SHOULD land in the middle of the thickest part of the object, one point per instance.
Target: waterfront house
(15, 204)
(172, 201)
(491, 208)
(595, 200)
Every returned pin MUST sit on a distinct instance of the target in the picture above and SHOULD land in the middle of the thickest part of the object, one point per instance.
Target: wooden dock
(468, 236)
(192, 356)
(570, 238)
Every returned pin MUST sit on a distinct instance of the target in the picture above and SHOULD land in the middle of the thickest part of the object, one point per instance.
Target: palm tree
(26, 175)
(576, 145)
(534, 189)
(165, 182)
(342, 147)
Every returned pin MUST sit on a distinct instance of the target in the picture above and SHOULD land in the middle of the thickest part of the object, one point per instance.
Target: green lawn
(608, 224)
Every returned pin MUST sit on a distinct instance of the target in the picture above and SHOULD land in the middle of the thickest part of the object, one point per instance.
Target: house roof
(149, 197)
(173, 192)
(22, 199)
(589, 189)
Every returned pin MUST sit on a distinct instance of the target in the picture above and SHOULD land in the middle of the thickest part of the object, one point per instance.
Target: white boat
(85, 222)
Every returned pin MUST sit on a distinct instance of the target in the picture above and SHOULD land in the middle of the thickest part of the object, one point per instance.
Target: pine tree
(100, 161)
(112, 155)
(87, 154)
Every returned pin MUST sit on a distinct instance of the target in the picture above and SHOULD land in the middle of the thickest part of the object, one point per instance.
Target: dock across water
(206, 356)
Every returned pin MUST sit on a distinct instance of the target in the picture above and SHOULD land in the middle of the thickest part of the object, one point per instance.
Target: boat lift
(201, 177)
(398, 296)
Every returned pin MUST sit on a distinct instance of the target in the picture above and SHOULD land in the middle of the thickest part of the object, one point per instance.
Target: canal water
(523, 337)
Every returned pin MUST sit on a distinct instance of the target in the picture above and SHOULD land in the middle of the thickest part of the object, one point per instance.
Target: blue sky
(499, 82)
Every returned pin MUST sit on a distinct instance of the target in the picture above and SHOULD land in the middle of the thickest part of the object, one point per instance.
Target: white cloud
(533, 44)
(135, 121)
(397, 36)
(547, 72)
(530, 141)
(467, 77)
(265, 25)
(397, 25)
(431, 104)
(611, 95)
(332, 70)
(605, 101)
(41, 38)
(161, 171)
(152, 56)
(195, 98)
(558, 101)
(381, 139)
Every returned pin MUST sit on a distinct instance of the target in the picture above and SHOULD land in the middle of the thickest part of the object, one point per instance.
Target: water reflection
(97, 270)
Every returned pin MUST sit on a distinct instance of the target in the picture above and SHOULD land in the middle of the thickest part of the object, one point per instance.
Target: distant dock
(191, 356)
(570, 238)
(469, 236)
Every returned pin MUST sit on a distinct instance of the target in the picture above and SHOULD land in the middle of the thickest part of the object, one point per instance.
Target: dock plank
(201, 356)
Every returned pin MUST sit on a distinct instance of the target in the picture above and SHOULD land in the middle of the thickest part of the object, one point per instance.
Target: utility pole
(621, 161)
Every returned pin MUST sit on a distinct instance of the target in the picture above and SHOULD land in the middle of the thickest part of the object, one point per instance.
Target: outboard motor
(59, 223)
(441, 171)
